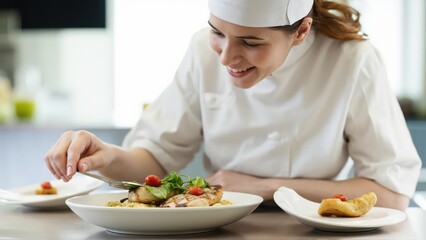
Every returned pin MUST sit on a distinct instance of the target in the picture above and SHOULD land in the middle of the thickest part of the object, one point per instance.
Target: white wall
(75, 71)
(150, 39)
(396, 27)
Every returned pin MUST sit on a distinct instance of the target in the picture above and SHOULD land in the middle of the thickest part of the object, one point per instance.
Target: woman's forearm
(316, 190)
(132, 165)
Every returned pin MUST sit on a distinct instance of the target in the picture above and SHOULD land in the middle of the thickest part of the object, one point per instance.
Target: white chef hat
(260, 13)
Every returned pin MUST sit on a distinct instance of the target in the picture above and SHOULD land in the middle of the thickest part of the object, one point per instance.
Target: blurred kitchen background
(77, 64)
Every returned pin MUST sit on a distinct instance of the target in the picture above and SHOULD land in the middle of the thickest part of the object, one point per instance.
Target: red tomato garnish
(153, 181)
(342, 197)
(197, 191)
(46, 185)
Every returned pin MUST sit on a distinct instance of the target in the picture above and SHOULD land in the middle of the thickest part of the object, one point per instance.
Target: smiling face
(250, 54)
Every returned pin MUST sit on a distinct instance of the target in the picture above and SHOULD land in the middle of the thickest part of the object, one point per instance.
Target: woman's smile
(239, 72)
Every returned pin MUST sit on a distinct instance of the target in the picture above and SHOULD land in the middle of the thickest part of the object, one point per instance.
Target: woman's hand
(77, 150)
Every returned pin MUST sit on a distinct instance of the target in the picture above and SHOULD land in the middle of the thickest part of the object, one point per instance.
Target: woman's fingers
(63, 156)
(56, 156)
(75, 150)
(84, 148)
(48, 161)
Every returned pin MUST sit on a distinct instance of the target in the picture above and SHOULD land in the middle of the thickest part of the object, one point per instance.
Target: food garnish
(46, 185)
(197, 191)
(153, 181)
(341, 197)
(175, 190)
(172, 183)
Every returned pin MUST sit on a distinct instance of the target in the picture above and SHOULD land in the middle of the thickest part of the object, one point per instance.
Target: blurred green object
(24, 109)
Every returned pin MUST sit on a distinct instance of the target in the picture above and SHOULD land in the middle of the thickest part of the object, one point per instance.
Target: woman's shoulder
(354, 50)
(200, 49)
(200, 40)
(201, 35)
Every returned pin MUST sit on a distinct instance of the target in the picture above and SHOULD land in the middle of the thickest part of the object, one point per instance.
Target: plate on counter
(306, 212)
(161, 221)
(79, 185)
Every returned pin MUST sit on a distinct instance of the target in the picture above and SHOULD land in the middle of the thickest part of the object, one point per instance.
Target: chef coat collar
(297, 52)
(271, 83)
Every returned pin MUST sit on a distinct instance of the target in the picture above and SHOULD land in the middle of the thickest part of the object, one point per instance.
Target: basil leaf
(160, 192)
(173, 178)
(199, 182)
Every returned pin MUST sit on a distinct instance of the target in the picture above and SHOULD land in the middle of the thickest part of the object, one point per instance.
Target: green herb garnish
(175, 183)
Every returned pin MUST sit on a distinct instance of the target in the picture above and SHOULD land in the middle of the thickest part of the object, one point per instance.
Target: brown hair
(335, 20)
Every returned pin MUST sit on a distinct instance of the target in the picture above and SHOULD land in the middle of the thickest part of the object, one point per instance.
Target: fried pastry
(46, 189)
(50, 191)
(351, 208)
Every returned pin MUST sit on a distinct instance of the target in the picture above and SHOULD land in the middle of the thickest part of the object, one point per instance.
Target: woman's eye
(217, 33)
(251, 44)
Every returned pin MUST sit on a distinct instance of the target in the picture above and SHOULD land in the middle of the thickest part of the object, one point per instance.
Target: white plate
(306, 212)
(161, 221)
(79, 185)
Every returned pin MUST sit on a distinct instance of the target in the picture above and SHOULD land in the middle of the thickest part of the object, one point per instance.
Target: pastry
(46, 189)
(340, 206)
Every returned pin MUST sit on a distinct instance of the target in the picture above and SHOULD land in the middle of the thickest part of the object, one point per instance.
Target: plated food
(160, 221)
(80, 185)
(46, 188)
(305, 212)
(340, 206)
(173, 191)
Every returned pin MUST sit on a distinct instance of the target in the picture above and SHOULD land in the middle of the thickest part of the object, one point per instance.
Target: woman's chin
(244, 84)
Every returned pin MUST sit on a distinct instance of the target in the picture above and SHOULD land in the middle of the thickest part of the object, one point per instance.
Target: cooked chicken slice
(211, 195)
(142, 195)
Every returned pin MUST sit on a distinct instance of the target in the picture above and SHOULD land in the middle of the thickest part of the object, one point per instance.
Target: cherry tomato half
(342, 197)
(46, 185)
(153, 181)
(197, 191)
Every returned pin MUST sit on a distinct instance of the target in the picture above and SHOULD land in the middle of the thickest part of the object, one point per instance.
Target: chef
(277, 93)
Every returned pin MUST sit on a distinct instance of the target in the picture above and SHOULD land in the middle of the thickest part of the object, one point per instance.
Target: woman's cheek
(214, 44)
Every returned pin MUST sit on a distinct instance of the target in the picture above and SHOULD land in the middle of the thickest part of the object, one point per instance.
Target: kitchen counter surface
(266, 222)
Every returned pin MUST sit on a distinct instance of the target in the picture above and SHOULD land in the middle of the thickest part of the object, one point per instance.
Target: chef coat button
(209, 99)
(274, 136)
(213, 100)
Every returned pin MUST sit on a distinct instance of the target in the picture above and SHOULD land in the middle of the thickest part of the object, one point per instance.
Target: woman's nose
(229, 55)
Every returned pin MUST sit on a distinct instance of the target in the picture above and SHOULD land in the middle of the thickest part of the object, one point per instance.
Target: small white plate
(161, 221)
(306, 212)
(79, 185)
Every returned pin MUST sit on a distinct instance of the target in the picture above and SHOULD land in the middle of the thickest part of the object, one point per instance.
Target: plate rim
(70, 200)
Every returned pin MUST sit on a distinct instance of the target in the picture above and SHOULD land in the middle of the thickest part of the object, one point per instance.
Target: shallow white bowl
(161, 221)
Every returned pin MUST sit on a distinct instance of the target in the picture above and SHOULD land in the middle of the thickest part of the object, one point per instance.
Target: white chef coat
(329, 102)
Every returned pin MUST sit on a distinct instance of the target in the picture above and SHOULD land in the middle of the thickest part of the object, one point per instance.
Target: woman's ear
(303, 31)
